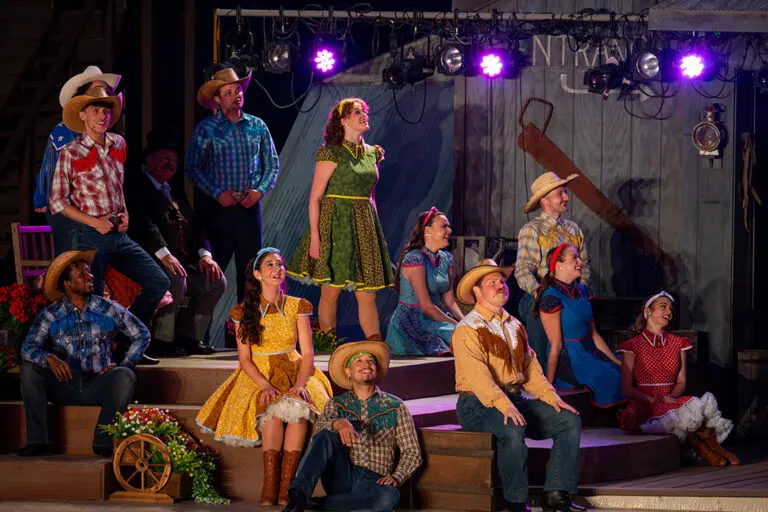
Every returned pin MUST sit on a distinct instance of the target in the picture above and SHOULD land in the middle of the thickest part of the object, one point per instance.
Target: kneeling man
(358, 433)
(68, 352)
(493, 362)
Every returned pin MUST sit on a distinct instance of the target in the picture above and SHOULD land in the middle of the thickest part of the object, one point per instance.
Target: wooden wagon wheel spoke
(158, 465)
(154, 477)
(132, 475)
(149, 457)
(143, 485)
(130, 449)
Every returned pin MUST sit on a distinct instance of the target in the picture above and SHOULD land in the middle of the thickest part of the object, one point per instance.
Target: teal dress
(581, 364)
(410, 331)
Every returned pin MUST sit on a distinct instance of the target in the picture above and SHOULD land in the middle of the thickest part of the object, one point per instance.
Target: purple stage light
(692, 65)
(324, 60)
(491, 65)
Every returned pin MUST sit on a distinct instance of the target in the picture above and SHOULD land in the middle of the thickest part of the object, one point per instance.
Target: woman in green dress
(344, 246)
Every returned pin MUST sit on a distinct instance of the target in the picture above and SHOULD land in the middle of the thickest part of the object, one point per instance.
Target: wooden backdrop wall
(649, 168)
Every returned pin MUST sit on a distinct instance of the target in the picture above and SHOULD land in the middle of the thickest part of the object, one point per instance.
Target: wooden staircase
(42, 43)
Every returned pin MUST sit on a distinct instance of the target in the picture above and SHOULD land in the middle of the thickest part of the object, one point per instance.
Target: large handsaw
(534, 141)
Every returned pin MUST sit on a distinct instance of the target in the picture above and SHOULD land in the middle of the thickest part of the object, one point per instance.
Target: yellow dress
(233, 413)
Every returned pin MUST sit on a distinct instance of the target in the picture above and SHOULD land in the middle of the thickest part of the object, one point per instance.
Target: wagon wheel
(142, 464)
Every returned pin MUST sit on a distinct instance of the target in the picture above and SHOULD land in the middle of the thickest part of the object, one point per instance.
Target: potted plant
(19, 305)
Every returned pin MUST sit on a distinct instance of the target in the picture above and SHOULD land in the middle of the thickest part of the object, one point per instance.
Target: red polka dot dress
(658, 359)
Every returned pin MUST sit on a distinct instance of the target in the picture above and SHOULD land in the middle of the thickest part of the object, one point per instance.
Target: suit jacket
(154, 220)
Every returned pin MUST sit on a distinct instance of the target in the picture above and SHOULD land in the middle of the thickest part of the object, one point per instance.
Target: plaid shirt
(60, 136)
(223, 156)
(382, 423)
(535, 240)
(83, 339)
(90, 176)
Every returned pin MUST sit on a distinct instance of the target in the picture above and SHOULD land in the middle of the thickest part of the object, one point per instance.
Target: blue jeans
(543, 422)
(537, 338)
(62, 229)
(112, 390)
(127, 257)
(348, 487)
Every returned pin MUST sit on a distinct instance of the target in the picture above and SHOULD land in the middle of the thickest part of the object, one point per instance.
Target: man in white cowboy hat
(67, 355)
(88, 189)
(493, 362)
(358, 433)
(233, 163)
(61, 136)
(549, 229)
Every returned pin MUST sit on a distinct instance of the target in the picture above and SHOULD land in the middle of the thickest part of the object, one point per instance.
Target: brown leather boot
(290, 463)
(709, 437)
(271, 477)
(706, 454)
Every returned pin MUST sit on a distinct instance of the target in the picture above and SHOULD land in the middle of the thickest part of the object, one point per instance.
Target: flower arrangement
(19, 305)
(188, 456)
(7, 358)
(325, 341)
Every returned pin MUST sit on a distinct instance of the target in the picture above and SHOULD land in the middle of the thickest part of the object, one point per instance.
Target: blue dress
(581, 363)
(410, 331)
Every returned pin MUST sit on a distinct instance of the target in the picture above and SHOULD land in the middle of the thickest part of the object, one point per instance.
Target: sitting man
(67, 355)
(353, 450)
(493, 360)
(163, 223)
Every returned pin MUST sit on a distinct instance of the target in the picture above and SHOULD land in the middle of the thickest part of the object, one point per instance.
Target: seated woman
(424, 280)
(275, 391)
(577, 354)
(653, 376)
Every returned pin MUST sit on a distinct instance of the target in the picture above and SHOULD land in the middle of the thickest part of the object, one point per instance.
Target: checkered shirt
(383, 424)
(83, 339)
(223, 156)
(90, 176)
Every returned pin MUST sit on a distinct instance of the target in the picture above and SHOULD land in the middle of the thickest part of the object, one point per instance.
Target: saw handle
(550, 108)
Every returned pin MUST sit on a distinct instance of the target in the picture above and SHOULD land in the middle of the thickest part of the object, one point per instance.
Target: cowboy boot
(708, 436)
(290, 463)
(706, 454)
(271, 477)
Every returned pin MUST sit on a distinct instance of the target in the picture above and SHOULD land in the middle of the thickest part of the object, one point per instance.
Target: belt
(337, 196)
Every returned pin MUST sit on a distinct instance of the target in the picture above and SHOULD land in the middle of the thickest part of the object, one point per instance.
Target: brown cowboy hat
(222, 77)
(488, 266)
(543, 185)
(76, 105)
(343, 352)
(51, 288)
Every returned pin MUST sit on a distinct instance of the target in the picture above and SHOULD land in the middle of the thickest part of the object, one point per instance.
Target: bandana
(349, 361)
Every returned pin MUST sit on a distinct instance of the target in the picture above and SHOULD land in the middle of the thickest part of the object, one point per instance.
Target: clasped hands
(247, 199)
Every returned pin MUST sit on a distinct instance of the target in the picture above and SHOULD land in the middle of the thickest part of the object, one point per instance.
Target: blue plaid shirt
(83, 339)
(223, 156)
(60, 136)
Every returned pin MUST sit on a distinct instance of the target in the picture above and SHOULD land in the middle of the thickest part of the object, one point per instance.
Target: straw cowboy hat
(91, 74)
(51, 288)
(543, 185)
(226, 76)
(488, 266)
(343, 352)
(74, 106)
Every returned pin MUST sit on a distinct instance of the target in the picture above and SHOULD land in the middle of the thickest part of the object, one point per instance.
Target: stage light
(277, 57)
(603, 78)
(692, 65)
(450, 59)
(648, 64)
(491, 64)
(325, 60)
(410, 70)
(761, 79)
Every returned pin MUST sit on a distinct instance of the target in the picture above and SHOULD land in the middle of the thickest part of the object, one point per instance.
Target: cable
(423, 106)
(289, 105)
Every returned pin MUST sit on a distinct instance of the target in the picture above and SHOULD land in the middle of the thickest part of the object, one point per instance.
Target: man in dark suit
(163, 223)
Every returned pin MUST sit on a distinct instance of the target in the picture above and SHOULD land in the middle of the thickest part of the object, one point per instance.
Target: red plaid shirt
(89, 176)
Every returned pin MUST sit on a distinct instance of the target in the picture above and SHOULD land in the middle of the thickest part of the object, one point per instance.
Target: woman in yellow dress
(275, 392)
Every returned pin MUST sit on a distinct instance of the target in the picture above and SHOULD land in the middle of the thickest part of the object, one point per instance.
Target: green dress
(353, 252)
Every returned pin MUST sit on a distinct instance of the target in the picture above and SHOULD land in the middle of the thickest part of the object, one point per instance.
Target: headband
(430, 213)
(662, 293)
(340, 108)
(349, 361)
(555, 256)
(261, 253)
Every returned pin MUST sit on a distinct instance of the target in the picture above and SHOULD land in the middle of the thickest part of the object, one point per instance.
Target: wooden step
(57, 478)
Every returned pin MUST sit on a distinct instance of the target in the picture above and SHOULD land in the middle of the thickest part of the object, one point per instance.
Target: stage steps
(56, 478)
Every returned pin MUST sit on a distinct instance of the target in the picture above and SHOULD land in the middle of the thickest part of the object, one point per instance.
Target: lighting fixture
(277, 57)
(709, 135)
(491, 64)
(648, 64)
(410, 70)
(761, 79)
(450, 59)
(605, 77)
(697, 64)
(324, 60)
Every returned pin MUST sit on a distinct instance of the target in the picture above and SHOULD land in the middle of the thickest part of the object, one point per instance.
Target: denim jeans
(543, 422)
(62, 229)
(127, 257)
(537, 338)
(349, 487)
(112, 390)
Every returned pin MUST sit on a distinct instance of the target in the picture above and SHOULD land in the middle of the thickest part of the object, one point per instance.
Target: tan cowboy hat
(74, 106)
(53, 273)
(222, 77)
(543, 185)
(91, 74)
(343, 352)
(488, 266)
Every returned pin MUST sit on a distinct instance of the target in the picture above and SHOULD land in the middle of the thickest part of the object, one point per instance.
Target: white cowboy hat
(91, 74)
